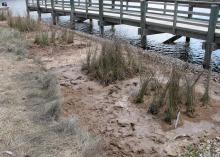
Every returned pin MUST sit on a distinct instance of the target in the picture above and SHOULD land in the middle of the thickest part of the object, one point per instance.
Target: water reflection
(192, 53)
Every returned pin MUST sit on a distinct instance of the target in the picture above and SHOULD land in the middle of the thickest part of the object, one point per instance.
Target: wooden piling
(143, 24)
(210, 36)
(72, 15)
(190, 9)
(54, 21)
(38, 10)
(101, 22)
(27, 9)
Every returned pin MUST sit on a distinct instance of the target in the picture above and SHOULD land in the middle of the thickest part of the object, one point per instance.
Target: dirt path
(108, 111)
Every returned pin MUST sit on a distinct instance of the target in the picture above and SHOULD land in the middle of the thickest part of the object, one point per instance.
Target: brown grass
(111, 64)
(23, 24)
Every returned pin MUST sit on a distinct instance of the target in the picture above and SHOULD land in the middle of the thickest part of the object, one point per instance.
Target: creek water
(191, 53)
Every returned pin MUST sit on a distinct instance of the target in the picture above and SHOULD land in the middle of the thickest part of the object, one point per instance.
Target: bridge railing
(171, 12)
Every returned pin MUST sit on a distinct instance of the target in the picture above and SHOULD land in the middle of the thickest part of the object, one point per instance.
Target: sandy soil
(127, 129)
(29, 109)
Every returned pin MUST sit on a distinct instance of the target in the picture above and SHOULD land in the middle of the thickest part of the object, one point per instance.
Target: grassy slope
(29, 108)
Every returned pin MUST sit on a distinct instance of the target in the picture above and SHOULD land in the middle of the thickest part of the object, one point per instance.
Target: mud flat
(126, 129)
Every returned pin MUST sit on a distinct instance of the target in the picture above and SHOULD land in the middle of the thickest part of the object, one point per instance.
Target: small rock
(8, 153)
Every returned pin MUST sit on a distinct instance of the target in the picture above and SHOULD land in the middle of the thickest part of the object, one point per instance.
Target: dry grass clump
(3, 16)
(12, 41)
(54, 37)
(190, 94)
(174, 98)
(42, 39)
(111, 64)
(148, 82)
(169, 98)
(67, 36)
(23, 24)
(178, 94)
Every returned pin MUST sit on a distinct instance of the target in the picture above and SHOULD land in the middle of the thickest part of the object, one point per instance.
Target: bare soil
(127, 129)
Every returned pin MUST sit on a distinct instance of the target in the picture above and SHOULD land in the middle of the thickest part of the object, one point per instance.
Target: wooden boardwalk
(193, 19)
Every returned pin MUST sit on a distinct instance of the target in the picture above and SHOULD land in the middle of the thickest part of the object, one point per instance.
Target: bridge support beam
(143, 24)
(53, 14)
(101, 21)
(190, 9)
(27, 9)
(72, 15)
(38, 11)
(172, 39)
(210, 36)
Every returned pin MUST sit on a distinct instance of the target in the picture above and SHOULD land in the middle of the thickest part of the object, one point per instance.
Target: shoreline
(126, 129)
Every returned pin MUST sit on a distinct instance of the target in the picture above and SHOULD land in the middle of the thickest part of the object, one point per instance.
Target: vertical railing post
(63, 4)
(113, 4)
(175, 16)
(46, 4)
(101, 21)
(86, 1)
(210, 35)
(143, 23)
(127, 5)
(27, 9)
(190, 9)
(38, 10)
(121, 10)
(53, 12)
(72, 15)
(165, 8)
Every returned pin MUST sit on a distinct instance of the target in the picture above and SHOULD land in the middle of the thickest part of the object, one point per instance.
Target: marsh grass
(158, 100)
(190, 94)
(67, 36)
(206, 97)
(23, 24)
(168, 97)
(173, 93)
(111, 64)
(42, 39)
(146, 82)
(3, 16)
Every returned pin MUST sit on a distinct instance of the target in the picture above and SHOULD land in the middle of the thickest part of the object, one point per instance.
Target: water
(191, 53)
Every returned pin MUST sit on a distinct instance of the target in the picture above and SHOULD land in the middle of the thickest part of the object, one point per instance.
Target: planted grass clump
(42, 39)
(168, 98)
(147, 82)
(3, 17)
(190, 94)
(173, 93)
(111, 64)
(23, 24)
(67, 36)
(54, 37)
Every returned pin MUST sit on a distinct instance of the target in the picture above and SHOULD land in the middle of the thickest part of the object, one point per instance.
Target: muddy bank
(126, 128)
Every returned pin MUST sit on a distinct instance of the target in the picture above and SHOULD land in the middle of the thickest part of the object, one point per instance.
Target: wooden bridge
(193, 19)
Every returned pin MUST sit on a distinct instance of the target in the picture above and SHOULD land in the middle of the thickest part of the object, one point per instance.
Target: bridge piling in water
(143, 24)
(177, 21)
(210, 36)
(72, 16)
(190, 10)
(38, 10)
(101, 21)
